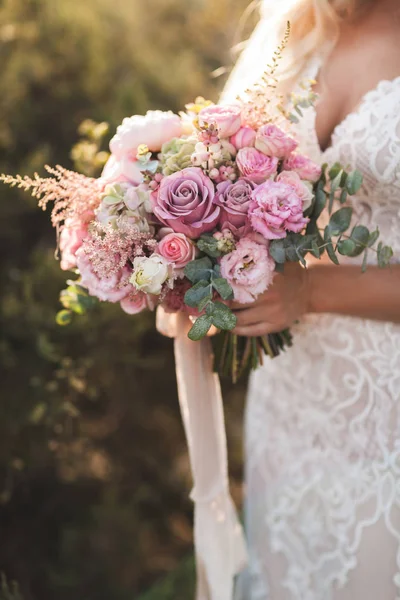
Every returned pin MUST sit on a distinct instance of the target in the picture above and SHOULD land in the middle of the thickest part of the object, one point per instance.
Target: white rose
(149, 274)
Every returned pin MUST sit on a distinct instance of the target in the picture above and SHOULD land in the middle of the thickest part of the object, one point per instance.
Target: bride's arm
(322, 288)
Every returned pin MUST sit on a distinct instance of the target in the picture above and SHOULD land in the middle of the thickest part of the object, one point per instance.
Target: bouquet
(197, 209)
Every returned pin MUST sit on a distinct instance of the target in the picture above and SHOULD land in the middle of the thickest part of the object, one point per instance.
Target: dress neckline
(316, 67)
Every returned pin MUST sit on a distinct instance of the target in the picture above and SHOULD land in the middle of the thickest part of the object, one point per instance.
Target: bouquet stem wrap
(218, 536)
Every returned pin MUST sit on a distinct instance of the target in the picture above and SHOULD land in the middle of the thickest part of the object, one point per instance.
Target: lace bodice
(323, 420)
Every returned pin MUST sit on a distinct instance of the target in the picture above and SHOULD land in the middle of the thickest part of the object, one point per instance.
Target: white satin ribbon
(218, 537)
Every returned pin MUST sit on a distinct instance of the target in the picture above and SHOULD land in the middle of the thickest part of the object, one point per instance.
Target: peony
(150, 273)
(302, 188)
(176, 248)
(234, 200)
(226, 117)
(134, 303)
(109, 289)
(303, 166)
(275, 209)
(272, 141)
(177, 154)
(244, 138)
(255, 165)
(71, 238)
(153, 130)
(125, 169)
(184, 202)
(249, 270)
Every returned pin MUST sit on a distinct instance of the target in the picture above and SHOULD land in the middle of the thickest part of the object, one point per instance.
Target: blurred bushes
(93, 467)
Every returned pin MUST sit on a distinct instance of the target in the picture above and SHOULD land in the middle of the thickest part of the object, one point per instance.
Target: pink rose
(176, 248)
(234, 200)
(302, 189)
(185, 202)
(244, 138)
(226, 117)
(303, 166)
(134, 303)
(71, 238)
(276, 209)
(124, 170)
(249, 269)
(272, 141)
(255, 165)
(108, 289)
(153, 130)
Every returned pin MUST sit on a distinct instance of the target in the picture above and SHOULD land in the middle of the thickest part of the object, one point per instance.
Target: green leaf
(209, 245)
(335, 170)
(335, 185)
(199, 269)
(277, 251)
(320, 202)
(200, 328)
(346, 247)
(360, 237)
(354, 182)
(201, 290)
(203, 304)
(340, 221)
(64, 317)
(373, 237)
(315, 249)
(329, 246)
(385, 253)
(223, 317)
(343, 196)
(223, 288)
(364, 263)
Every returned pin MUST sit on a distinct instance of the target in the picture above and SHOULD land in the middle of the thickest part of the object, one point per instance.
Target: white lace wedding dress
(323, 420)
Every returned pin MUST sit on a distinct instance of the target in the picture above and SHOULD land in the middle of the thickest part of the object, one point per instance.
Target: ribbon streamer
(218, 536)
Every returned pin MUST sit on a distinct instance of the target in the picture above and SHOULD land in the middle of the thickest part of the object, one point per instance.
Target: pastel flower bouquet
(197, 209)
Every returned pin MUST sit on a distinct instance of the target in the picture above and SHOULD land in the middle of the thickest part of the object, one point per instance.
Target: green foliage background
(94, 477)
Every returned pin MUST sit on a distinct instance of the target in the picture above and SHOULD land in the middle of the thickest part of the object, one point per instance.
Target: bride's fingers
(255, 329)
(249, 316)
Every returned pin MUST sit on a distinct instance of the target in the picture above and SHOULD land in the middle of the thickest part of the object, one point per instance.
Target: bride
(323, 420)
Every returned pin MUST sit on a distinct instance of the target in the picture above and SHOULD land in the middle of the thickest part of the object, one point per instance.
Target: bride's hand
(286, 300)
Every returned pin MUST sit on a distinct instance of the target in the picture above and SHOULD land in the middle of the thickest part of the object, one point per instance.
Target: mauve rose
(234, 200)
(134, 303)
(108, 289)
(184, 202)
(276, 209)
(124, 170)
(176, 248)
(153, 129)
(302, 188)
(226, 117)
(272, 141)
(244, 138)
(249, 269)
(303, 166)
(255, 165)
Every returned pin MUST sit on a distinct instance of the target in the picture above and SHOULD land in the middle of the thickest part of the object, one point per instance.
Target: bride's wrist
(318, 288)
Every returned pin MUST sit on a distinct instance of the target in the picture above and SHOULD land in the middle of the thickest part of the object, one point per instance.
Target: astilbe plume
(72, 194)
(109, 250)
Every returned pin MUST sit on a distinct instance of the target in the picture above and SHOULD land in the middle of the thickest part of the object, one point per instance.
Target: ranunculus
(276, 209)
(125, 169)
(244, 138)
(303, 166)
(249, 270)
(176, 248)
(272, 141)
(134, 303)
(302, 188)
(234, 200)
(226, 117)
(184, 202)
(255, 165)
(71, 238)
(153, 130)
(177, 154)
(150, 273)
(109, 289)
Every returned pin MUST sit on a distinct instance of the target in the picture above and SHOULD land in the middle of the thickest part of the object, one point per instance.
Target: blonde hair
(314, 24)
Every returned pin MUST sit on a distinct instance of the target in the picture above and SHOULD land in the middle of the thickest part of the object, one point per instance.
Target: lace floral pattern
(323, 420)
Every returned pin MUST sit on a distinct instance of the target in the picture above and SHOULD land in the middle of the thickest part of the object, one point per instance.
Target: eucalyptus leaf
(373, 237)
(200, 328)
(340, 220)
(201, 290)
(223, 317)
(199, 269)
(209, 245)
(360, 236)
(385, 253)
(354, 182)
(320, 202)
(346, 247)
(223, 288)
(329, 246)
(277, 251)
